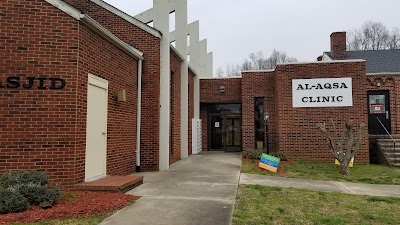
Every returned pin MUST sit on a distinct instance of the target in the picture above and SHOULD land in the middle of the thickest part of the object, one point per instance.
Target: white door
(96, 129)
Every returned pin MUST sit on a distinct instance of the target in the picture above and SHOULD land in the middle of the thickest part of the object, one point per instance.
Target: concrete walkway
(199, 190)
(327, 186)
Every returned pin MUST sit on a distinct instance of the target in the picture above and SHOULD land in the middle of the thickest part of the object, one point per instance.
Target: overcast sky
(301, 28)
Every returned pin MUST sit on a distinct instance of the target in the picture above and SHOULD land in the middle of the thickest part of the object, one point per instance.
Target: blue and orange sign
(269, 162)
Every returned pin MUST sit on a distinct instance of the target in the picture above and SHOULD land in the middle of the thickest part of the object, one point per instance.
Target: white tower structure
(200, 61)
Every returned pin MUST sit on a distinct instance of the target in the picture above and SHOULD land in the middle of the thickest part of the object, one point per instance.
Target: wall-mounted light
(266, 116)
(378, 84)
(120, 95)
(222, 88)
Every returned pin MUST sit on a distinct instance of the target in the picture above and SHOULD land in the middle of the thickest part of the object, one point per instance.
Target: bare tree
(372, 36)
(232, 70)
(256, 61)
(220, 72)
(336, 148)
(394, 39)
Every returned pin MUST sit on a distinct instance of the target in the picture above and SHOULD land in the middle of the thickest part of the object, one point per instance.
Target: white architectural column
(181, 44)
(194, 37)
(203, 58)
(161, 23)
(210, 64)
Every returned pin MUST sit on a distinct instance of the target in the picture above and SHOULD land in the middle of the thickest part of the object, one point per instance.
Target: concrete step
(111, 184)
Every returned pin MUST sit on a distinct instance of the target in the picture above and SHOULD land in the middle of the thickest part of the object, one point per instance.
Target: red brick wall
(338, 45)
(298, 137)
(391, 84)
(255, 85)
(175, 113)
(150, 46)
(46, 129)
(191, 109)
(210, 93)
(210, 90)
(105, 60)
(37, 127)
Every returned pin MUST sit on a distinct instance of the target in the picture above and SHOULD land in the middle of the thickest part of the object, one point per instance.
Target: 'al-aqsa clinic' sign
(328, 92)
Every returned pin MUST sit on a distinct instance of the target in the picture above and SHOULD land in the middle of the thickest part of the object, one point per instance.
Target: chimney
(338, 45)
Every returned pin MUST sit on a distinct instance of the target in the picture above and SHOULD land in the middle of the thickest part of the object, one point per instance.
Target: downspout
(139, 116)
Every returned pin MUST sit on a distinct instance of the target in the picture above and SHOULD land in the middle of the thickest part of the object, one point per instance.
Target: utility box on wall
(196, 136)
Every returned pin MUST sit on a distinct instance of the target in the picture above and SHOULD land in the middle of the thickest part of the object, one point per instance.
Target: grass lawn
(270, 205)
(373, 174)
(92, 220)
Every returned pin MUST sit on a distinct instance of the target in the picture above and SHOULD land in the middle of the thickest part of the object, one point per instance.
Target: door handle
(387, 115)
(104, 133)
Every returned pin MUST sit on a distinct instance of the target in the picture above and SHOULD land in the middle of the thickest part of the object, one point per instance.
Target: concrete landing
(198, 191)
(112, 184)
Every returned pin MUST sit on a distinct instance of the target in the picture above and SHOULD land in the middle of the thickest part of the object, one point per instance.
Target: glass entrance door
(232, 133)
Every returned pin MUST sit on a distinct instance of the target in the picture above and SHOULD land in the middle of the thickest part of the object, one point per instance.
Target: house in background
(383, 97)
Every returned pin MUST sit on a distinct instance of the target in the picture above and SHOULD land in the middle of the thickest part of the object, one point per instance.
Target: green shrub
(252, 154)
(31, 186)
(23, 177)
(279, 155)
(31, 191)
(12, 201)
(49, 197)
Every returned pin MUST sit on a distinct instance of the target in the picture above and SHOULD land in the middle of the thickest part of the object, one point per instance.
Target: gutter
(139, 116)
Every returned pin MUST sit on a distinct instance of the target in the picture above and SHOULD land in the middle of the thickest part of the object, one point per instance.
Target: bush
(23, 177)
(32, 186)
(252, 154)
(279, 155)
(50, 196)
(12, 201)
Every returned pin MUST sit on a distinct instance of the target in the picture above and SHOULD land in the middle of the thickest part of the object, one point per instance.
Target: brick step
(111, 184)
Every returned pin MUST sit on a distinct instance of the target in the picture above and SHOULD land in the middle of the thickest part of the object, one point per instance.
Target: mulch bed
(280, 171)
(81, 204)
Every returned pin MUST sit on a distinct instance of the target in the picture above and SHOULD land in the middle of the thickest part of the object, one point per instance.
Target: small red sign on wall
(377, 109)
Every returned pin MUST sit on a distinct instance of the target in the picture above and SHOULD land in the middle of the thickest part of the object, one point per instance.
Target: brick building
(83, 91)
(358, 86)
(88, 91)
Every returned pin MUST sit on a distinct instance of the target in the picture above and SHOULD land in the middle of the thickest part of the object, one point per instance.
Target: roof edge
(98, 28)
(111, 37)
(175, 51)
(384, 74)
(323, 62)
(128, 18)
(193, 71)
(220, 78)
(259, 71)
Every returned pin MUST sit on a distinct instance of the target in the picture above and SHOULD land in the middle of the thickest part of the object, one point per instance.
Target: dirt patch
(74, 204)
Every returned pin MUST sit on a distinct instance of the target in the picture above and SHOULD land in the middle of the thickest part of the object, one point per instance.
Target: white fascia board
(259, 71)
(66, 8)
(220, 78)
(384, 74)
(322, 62)
(146, 16)
(193, 71)
(128, 18)
(111, 37)
(180, 57)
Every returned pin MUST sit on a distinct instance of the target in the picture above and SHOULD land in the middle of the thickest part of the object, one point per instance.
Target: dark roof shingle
(378, 61)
